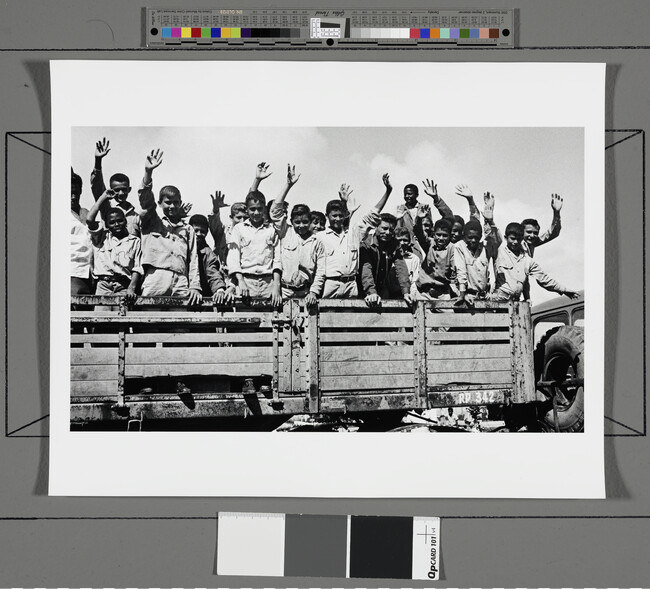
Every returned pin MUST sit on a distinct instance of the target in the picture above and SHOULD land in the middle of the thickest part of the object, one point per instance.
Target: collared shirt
(81, 250)
(169, 246)
(413, 265)
(342, 249)
(253, 250)
(210, 271)
(302, 260)
(114, 256)
(513, 271)
(436, 268)
(472, 269)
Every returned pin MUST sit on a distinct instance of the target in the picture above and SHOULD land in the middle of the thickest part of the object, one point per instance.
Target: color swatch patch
(271, 544)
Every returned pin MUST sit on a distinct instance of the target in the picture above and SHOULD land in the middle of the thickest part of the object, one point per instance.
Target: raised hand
(102, 148)
(106, 195)
(424, 210)
(488, 201)
(153, 160)
(291, 175)
(464, 191)
(261, 171)
(186, 207)
(556, 203)
(431, 189)
(386, 180)
(345, 192)
(218, 201)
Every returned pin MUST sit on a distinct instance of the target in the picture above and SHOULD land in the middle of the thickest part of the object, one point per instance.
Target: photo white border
(291, 94)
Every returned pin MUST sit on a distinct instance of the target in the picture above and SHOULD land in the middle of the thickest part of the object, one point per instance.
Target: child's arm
(381, 203)
(214, 277)
(276, 292)
(97, 185)
(96, 232)
(260, 174)
(366, 279)
(193, 276)
(418, 231)
(431, 189)
(548, 283)
(278, 214)
(145, 194)
(556, 224)
(460, 264)
(465, 192)
(403, 278)
(493, 237)
(216, 227)
(134, 285)
(233, 262)
(316, 288)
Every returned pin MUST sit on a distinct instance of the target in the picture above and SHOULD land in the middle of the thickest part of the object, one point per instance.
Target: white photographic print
(257, 271)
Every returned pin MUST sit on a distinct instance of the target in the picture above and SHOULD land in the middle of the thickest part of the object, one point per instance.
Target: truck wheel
(558, 356)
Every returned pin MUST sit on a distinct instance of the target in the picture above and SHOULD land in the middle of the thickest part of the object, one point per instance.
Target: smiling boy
(169, 253)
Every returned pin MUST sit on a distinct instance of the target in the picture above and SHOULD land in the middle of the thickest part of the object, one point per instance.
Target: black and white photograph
(355, 279)
(254, 272)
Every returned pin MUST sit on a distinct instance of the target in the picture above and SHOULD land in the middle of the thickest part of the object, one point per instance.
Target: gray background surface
(172, 541)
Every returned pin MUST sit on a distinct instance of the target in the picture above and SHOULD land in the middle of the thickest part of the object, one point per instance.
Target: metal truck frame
(159, 361)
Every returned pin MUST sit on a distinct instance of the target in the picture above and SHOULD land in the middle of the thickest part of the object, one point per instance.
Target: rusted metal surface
(523, 374)
(121, 368)
(177, 319)
(469, 396)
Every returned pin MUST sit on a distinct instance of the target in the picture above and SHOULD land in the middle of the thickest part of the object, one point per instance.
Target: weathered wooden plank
(468, 336)
(367, 336)
(358, 304)
(106, 388)
(368, 367)
(353, 384)
(241, 369)
(481, 378)
(93, 338)
(448, 365)
(366, 320)
(121, 352)
(365, 353)
(522, 354)
(191, 338)
(487, 319)
(178, 302)
(468, 350)
(86, 372)
(312, 357)
(421, 351)
(192, 355)
(155, 319)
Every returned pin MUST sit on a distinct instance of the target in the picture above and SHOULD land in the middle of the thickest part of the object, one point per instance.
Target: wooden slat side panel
(479, 378)
(522, 354)
(486, 319)
(468, 350)
(239, 369)
(353, 384)
(468, 365)
(81, 356)
(360, 354)
(377, 367)
(106, 388)
(366, 336)
(264, 337)
(367, 320)
(468, 336)
(215, 355)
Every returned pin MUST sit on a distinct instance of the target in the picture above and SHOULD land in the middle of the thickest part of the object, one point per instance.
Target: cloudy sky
(521, 166)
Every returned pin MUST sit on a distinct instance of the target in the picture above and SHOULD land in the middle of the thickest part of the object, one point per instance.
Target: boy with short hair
(472, 256)
(120, 186)
(213, 284)
(169, 255)
(342, 244)
(117, 255)
(513, 268)
(434, 280)
(412, 261)
(253, 254)
(81, 251)
(318, 221)
(220, 233)
(302, 255)
(532, 238)
(383, 272)
(408, 213)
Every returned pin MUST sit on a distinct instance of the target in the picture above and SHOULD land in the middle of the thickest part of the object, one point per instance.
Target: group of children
(267, 251)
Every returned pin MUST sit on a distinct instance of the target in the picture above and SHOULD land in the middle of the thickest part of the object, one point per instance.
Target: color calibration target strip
(281, 545)
(220, 28)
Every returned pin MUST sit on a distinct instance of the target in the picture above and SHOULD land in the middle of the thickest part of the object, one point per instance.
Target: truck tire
(560, 355)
